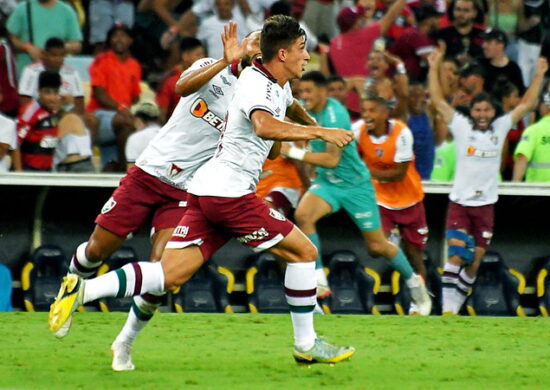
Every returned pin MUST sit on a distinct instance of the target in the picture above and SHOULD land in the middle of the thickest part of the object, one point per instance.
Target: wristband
(27, 46)
(296, 153)
(400, 68)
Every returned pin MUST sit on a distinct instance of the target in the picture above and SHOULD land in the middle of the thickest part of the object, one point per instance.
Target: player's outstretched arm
(328, 159)
(436, 95)
(298, 114)
(530, 97)
(268, 127)
(191, 81)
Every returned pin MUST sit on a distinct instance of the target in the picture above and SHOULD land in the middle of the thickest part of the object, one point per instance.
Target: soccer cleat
(323, 352)
(122, 358)
(323, 291)
(68, 299)
(420, 296)
(64, 330)
(413, 309)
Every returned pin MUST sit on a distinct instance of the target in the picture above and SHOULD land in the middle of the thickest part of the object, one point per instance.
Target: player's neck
(276, 71)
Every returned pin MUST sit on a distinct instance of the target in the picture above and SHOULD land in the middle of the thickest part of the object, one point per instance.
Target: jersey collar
(260, 67)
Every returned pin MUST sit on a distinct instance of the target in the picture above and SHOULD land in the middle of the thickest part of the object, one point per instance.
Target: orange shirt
(285, 174)
(378, 157)
(166, 96)
(119, 79)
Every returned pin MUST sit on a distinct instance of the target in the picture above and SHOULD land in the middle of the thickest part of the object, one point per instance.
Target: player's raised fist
(338, 137)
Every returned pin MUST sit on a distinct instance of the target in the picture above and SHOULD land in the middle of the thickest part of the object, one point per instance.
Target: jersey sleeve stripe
(261, 108)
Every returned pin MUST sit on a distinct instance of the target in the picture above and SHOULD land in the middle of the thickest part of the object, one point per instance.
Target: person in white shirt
(72, 89)
(221, 201)
(147, 127)
(8, 142)
(479, 139)
(73, 152)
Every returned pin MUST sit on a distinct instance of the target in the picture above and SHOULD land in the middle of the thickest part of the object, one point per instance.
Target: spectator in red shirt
(191, 50)
(404, 20)
(37, 126)
(350, 49)
(115, 77)
(9, 102)
(416, 43)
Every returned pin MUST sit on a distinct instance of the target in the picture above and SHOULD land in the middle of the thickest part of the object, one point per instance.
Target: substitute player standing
(479, 139)
(222, 203)
(156, 187)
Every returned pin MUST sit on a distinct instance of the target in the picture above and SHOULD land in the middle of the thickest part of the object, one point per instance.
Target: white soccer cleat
(64, 330)
(413, 309)
(419, 295)
(122, 357)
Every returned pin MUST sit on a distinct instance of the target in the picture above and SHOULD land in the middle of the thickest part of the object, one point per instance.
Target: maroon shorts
(139, 198)
(411, 223)
(211, 221)
(477, 221)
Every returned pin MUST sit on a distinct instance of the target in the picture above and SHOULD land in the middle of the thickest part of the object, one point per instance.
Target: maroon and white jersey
(191, 135)
(236, 167)
(71, 84)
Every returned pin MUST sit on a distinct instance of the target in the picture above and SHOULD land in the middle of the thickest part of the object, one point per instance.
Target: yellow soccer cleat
(323, 352)
(68, 299)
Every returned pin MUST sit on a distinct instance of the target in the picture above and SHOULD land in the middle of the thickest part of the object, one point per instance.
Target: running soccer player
(479, 139)
(222, 204)
(156, 186)
(343, 181)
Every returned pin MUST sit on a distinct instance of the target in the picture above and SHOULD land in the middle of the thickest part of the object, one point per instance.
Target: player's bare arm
(192, 81)
(390, 16)
(328, 159)
(530, 97)
(436, 94)
(297, 113)
(268, 127)
(275, 151)
(395, 173)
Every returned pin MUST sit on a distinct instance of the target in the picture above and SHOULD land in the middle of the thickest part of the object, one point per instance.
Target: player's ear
(281, 54)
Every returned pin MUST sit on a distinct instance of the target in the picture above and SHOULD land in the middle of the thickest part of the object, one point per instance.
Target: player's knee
(461, 245)
(377, 247)
(95, 252)
(308, 253)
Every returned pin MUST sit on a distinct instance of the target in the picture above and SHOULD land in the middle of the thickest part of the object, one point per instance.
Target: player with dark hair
(337, 88)
(479, 139)
(222, 203)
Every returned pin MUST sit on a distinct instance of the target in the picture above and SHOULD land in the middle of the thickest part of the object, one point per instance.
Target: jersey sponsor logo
(181, 231)
(366, 214)
(258, 235)
(473, 152)
(199, 109)
(108, 206)
(48, 142)
(277, 215)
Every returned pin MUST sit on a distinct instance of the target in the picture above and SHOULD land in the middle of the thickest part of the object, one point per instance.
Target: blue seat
(119, 258)
(41, 277)
(265, 285)
(208, 291)
(497, 290)
(353, 287)
(5, 288)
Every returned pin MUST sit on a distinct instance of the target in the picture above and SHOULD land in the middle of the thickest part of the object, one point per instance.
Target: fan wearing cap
(498, 67)
(416, 43)
(533, 151)
(147, 126)
(350, 49)
(479, 139)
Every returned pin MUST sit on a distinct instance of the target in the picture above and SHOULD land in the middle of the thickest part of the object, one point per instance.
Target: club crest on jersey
(379, 152)
(199, 109)
(277, 215)
(174, 171)
(108, 206)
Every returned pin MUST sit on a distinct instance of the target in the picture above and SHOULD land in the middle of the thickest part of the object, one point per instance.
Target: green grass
(246, 351)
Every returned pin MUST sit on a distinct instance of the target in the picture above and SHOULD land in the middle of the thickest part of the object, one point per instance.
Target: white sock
(301, 295)
(140, 314)
(449, 281)
(132, 279)
(463, 287)
(80, 264)
(321, 277)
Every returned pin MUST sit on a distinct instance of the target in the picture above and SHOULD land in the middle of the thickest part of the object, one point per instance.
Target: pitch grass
(251, 351)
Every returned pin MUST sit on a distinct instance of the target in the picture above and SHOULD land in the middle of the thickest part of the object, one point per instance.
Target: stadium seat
(497, 289)
(81, 64)
(207, 292)
(5, 289)
(122, 256)
(400, 292)
(543, 288)
(41, 276)
(354, 288)
(265, 286)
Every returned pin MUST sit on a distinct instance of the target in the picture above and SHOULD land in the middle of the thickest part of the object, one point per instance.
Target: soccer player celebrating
(343, 181)
(386, 146)
(156, 187)
(222, 204)
(479, 139)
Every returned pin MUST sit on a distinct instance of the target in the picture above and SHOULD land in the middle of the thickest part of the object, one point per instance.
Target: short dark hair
(118, 27)
(280, 8)
(49, 79)
(333, 78)
(484, 97)
(505, 89)
(316, 77)
(189, 43)
(278, 32)
(54, 43)
(373, 97)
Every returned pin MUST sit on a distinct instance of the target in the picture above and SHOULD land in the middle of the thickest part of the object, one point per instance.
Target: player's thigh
(386, 219)
(179, 265)
(457, 218)
(295, 247)
(413, 226)
(360, 204)
(316, 203)
(483, 218)
(165, 219)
